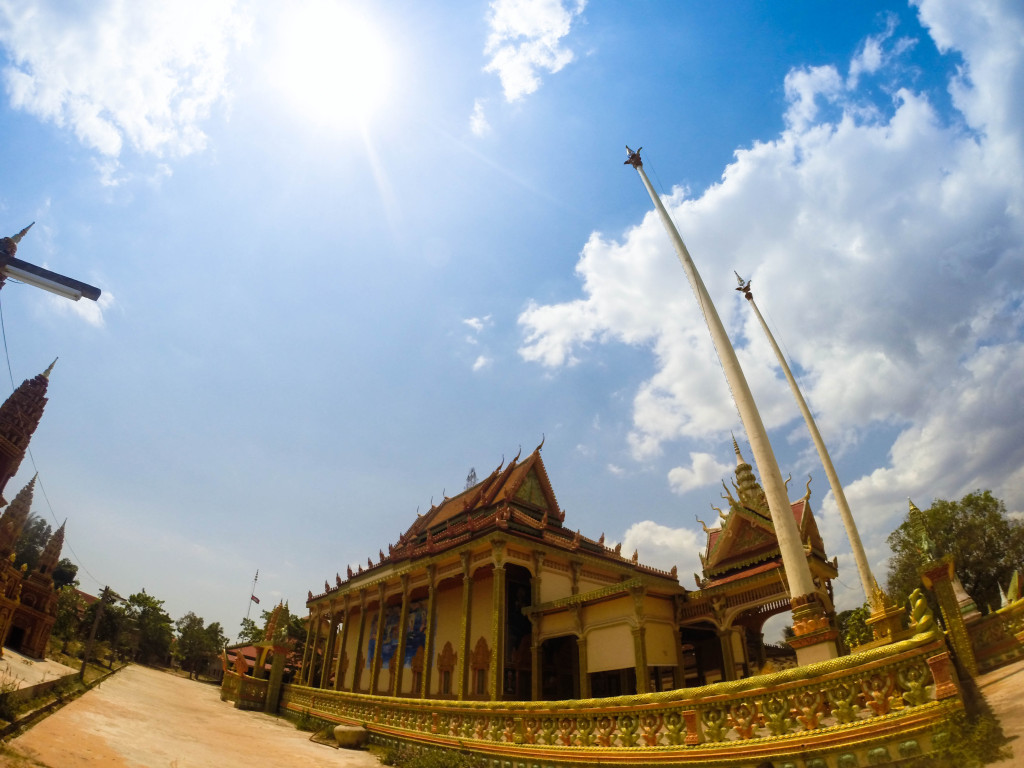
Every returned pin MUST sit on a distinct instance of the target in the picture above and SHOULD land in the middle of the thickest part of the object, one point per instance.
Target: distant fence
(886, 704)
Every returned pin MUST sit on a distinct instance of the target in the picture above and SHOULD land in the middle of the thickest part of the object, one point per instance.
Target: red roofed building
(490, 596)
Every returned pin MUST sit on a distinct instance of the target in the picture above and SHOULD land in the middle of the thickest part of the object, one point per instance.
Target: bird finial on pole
(634, 157)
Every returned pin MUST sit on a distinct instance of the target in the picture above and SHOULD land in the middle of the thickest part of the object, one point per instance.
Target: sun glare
(333, 63)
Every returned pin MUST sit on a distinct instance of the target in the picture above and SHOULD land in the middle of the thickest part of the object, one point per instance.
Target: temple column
(306, 655)
(311, 681)
(359, 662)
(581, 645)
(640, 657)
(536, 683)
(339, 672)
(398, 660)
(428, 640)
(728, 654)
(679, 673)
(332, 630)
(462, 678)
(378, 639)
(499, 621)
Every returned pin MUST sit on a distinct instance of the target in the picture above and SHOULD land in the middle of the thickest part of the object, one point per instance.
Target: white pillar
(793, 558)
(866, 579)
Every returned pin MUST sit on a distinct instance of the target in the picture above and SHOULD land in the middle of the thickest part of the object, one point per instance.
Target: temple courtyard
(145, 718)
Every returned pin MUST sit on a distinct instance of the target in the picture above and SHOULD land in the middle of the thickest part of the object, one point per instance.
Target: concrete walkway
(143, 718)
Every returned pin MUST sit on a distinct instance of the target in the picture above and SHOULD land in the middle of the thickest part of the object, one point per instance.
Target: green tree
(197, 644)
(152, 629)
(250, 632)
(65, 574)
(853, 627)
(34, 535)
(67, 626)
(985, 544)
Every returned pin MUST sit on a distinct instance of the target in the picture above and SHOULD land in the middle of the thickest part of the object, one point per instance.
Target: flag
(254, 599)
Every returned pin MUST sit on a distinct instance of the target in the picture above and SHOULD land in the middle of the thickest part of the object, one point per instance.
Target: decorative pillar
(378, 640)
(806, 604)
(679, 673)
(728, 654)
(339, 672)
(316, 646)
(499, 621)
(576, 568)
(536, 673)
(332, 630)
(428, 641)
(306, 655)
(640, 640)
(640, 658)
(398, 660)
(938, 576)
(462, 678)
(359, 662)
(581, 645)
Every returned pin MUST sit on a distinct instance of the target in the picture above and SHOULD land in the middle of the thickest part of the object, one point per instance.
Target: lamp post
(36, 276)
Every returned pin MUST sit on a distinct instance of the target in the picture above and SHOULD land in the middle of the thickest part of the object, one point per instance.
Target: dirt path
(142, 718)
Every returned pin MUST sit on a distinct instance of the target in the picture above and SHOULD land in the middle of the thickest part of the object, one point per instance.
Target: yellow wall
(446, 630)
(610, 647)
(661, 645)
(554, 584)
(482, 617)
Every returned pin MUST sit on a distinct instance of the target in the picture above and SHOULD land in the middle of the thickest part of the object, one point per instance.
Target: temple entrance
(15, 638)
(517, 677)
(560, 668)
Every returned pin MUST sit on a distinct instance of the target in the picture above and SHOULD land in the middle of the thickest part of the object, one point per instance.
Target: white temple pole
(794, 560)
(866, 579)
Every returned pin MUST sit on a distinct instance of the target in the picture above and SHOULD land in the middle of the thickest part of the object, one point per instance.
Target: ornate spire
(750, 492)
(19, 417)
(14, 517)
(51, 553)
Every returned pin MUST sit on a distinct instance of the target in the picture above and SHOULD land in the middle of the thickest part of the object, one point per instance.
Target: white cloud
(145, 73)
(616, 470)
(525, 39)
(662, 547)
(89, 311)
(886, 241)
(704, 470)
(481, 362)
(478, 323)
(478, 120)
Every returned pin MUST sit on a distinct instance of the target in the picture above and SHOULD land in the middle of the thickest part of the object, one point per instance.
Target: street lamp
(38, 277)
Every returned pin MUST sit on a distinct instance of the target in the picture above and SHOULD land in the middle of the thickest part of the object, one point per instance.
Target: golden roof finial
(46, 373)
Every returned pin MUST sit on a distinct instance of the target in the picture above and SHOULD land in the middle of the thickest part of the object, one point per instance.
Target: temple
(491, 596)
(28, 599)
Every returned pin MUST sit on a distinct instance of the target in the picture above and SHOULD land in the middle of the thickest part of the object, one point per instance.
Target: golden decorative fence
(867, 709)
(998, 638)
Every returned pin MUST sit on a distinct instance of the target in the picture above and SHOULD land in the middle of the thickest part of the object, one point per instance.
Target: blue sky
(350, 252)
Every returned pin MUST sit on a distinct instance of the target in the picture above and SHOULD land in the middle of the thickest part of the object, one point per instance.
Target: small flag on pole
(254, 599)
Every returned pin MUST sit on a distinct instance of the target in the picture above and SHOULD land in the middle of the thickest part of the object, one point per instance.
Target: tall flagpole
(809, 623)
(866, 579)
(252, 594)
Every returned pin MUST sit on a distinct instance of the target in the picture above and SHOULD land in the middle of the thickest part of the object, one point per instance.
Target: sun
(333, 64)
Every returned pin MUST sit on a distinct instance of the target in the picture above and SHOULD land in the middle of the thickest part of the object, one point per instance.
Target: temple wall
(351, 648)
(482, 617)
(555, 582)
(610, 647)
(661, 645)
